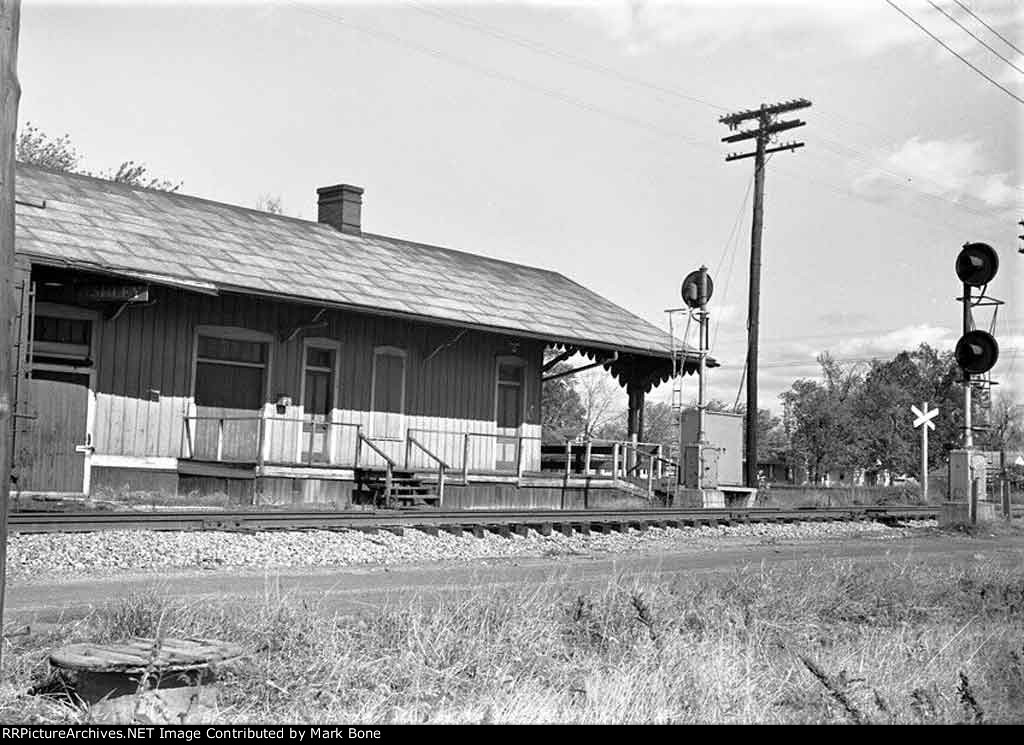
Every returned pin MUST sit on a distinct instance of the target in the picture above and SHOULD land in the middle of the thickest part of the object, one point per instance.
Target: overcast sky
(585, 139)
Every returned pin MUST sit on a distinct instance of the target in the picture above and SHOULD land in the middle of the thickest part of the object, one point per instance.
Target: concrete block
(954, 515)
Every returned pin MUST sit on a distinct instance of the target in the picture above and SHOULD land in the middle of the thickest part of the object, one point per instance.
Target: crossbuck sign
(924, 417)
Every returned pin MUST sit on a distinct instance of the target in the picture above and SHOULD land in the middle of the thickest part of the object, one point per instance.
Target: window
(230, 373)
(509, 412)
(319, 383)
(61, 338)
(388, 392)
(389, 381)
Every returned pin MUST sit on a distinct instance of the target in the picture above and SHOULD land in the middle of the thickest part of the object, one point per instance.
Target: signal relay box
(967, 475)
(723, 433)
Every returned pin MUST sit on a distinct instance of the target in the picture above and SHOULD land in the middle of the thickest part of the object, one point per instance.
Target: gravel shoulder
(68, 557)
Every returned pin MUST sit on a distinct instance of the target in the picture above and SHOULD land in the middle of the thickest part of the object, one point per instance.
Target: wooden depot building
(169, 343)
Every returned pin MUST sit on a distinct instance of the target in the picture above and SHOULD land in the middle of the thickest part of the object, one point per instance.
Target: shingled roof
(72, 220)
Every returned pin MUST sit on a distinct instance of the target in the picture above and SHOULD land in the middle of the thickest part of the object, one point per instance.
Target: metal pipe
(968, 426)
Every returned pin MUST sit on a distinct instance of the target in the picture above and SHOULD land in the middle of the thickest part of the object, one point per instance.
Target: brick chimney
(341, 206)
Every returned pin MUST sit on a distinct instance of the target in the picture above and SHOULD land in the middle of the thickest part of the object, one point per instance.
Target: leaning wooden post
(465, 458)
(220, 438)
(650, 476)
(568, 458)
(440, 484)
(10, 94)
(615, 460)
(586, 459)
(519, 460)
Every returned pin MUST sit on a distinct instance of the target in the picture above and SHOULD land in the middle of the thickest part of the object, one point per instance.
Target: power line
(450, 17)
(972, 35)
(655, 129)
(978, 18)
(579, 61)
(391, 38)
(956, 54)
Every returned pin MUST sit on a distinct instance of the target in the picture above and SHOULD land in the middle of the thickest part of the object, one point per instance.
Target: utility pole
(10, 94)
(767, 127)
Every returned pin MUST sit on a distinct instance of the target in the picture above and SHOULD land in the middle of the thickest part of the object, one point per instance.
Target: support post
(650, 477)
(754, 312)
(519, 460)
(10, 94)
(767, 127)
(220, 439)
(568, 458)
(465, 458)
(586, 459)
(968, 322)
(924, 456)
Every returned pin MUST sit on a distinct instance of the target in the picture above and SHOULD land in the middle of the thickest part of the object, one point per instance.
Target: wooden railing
(411, 441)
(250, 447)
(238, 451)
(465, 448)
(641, 464)
(389, 464)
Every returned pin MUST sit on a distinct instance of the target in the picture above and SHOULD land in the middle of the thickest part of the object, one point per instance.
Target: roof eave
(213, 288)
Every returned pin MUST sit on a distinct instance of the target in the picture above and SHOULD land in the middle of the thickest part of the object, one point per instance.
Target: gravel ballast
(69, 555)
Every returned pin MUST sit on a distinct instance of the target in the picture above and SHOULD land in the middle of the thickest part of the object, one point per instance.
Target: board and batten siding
(145, 368)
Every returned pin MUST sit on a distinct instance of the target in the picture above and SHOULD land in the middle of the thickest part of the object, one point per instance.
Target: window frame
(334, 346)
(391, 351)
(74, 354)
(516, 361)
(233, 333)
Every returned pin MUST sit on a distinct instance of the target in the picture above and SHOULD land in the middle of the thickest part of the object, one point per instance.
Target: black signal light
(977, 352)
(977, 264)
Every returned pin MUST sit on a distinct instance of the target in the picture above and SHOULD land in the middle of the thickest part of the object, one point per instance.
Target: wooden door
(318, 401)
(508, 415)
(47, 458)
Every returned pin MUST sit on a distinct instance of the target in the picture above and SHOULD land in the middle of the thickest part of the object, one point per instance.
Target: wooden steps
(407, 489)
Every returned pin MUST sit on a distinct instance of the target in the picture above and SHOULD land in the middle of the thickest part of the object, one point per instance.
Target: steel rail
(181, 520)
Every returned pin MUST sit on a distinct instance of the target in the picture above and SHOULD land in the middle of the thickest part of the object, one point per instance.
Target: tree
(35, 147)
(1006, 425)
(820, 422)
(561, 408)
(58, 153)
(602, 398)
(882, 409)
(134, 174)
(771, 435)
(270, 203)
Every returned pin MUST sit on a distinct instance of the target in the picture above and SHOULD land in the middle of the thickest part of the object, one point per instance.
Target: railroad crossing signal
(924, 417)
(924, 421)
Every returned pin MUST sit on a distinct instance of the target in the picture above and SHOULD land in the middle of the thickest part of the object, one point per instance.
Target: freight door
(51, 449)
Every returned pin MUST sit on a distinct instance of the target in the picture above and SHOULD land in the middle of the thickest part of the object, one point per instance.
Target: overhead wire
(956, 54)
(978, 18)
(674, 135)
(449, 16)
(973, 36)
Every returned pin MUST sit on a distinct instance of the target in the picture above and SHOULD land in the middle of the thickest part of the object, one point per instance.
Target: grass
(822, 642)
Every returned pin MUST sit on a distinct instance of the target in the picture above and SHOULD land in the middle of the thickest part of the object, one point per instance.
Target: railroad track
(503, 522)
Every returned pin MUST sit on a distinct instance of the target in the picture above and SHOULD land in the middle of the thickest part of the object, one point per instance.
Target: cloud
(868, 28)
(894, 342)
(951, 169)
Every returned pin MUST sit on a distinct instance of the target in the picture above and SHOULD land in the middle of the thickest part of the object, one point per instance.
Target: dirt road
(350, 589)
